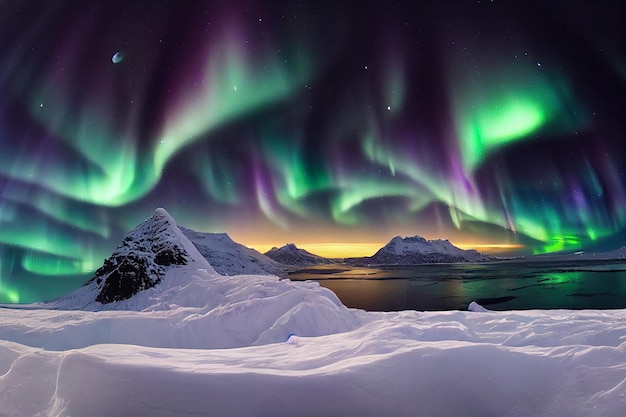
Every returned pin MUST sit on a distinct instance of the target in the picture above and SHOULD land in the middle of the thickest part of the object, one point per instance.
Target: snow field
(560, 363)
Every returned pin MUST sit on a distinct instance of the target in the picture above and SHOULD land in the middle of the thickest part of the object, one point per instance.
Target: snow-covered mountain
(157, 268)
(150, 251)
(228, 257)
(291, 255)
(417, 250)
(140, 262)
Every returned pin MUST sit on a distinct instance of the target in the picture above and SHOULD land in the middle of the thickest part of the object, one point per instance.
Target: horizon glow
(361, 249)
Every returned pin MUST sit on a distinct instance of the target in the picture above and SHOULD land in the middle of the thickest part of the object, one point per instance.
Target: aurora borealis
(484, 122)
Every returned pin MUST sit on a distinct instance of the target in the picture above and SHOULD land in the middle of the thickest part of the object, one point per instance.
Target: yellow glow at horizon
(349, 250)
(488, 246)
(332, 250)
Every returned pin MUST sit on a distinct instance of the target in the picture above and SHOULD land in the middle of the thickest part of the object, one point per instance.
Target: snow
(417, 250)
(228, 257)
(189, 309)
(210, 345)
(400, 246)
(203, 344)
(474, 306)
(174, 233)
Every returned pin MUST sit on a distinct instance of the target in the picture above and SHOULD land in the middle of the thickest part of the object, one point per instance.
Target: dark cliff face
(140, 261)
(124, 275)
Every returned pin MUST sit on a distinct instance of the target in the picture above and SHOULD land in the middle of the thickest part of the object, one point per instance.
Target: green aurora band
(258, 134)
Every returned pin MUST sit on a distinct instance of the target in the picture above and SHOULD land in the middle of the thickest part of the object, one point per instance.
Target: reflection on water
(497, 286)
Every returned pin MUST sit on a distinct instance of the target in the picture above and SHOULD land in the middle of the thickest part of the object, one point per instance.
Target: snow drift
(533, 363)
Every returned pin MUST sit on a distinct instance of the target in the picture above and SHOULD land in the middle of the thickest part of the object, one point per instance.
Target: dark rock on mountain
(141, 260)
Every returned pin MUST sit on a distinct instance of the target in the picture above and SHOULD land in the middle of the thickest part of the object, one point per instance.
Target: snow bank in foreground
(194, 309)
(560, 363)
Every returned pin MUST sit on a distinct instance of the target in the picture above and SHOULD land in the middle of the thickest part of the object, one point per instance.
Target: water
(497, 286)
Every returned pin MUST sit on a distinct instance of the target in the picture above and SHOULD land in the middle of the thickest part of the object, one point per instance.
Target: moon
(117, 57)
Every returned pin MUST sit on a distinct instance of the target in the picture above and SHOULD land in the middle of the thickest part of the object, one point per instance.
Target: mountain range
(291, 255)
(417, 250)
(158, 245)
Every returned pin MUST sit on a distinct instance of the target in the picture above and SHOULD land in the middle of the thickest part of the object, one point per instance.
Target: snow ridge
(228, 257)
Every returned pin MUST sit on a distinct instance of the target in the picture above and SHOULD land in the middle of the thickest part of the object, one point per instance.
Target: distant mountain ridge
(417, 250)
(228, 257)
(158, 247)
(291, 255)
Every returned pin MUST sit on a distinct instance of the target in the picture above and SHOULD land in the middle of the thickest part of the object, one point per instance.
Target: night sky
(485, 122)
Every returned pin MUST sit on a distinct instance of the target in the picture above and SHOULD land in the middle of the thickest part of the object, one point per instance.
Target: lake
(497, 286)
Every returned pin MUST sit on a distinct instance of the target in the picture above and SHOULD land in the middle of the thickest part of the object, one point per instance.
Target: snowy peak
(417, 244)
(141, 260)
(409, 239)
(417, 250)
(228, 257)
(291, 255)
